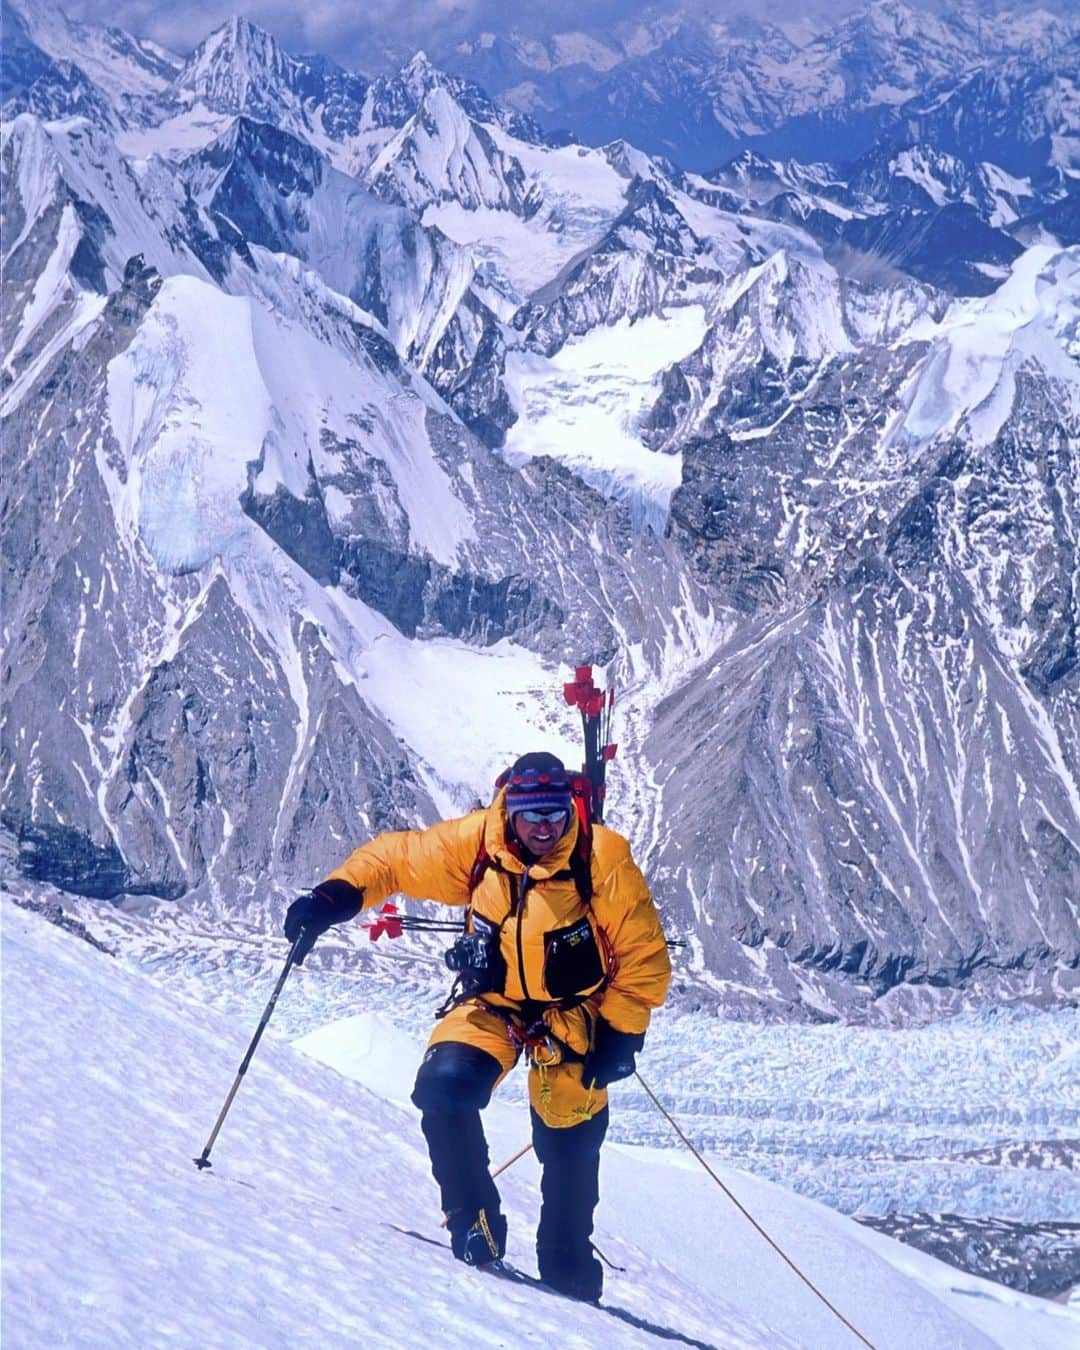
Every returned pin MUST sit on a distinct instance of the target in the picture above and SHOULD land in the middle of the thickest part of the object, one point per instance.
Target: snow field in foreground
(112, 1238)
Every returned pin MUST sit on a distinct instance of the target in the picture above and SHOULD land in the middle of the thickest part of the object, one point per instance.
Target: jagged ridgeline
(325, 397)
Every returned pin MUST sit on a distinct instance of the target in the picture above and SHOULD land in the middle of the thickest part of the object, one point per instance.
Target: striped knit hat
(538, 782)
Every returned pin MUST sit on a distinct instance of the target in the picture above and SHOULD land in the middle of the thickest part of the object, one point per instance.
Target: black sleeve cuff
(343, 895)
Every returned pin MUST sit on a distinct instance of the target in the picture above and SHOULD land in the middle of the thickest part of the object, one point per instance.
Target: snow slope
(112, 1238)
(287, 391)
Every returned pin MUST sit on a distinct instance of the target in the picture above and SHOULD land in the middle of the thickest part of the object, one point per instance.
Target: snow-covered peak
(981, 345)
(394, 100)
(283, 162)
(119, 65)
(49, 87)
(891, 19)
(441, 154)
(237, 67)
(934, 170)
(418, 73)
(796, 306)
(747, 167)
(652, 222)
(631, 162)
(35, 173)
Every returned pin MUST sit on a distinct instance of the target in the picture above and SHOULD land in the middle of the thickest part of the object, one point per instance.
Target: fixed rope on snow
(748, 1216)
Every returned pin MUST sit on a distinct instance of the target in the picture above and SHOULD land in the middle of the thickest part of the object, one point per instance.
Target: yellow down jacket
(555, 948)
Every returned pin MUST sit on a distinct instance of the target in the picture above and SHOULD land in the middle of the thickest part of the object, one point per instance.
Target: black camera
(476, 961)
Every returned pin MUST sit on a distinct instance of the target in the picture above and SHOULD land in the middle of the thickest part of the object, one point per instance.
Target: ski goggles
(552, 817)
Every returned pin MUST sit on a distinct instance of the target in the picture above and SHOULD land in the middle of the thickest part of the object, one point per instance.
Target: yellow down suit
(607, 958)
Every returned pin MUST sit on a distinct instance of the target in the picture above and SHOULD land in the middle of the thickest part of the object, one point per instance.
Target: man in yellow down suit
(562, 959)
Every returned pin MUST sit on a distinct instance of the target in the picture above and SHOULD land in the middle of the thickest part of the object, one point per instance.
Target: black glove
(612, 1055)
(312, 914)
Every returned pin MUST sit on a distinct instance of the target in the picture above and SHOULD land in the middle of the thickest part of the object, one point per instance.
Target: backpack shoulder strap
(581, 869)
(482, 863)
(581, 858)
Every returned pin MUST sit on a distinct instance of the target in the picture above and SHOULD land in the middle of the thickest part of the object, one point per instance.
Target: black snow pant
(569, 1190)
(453, 1085)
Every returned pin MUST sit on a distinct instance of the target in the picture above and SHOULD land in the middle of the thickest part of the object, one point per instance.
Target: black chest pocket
(572, 960)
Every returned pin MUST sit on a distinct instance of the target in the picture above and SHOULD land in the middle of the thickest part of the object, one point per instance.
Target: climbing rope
(748, 1216)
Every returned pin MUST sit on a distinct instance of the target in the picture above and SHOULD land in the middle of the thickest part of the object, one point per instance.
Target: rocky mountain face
(1038, 1258)
(338, 412)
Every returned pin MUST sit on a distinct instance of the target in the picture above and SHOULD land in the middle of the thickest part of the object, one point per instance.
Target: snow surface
(979, 344)
(176, 137)
(110, 57)
(579, 185)
(52, 288)
(584, 406)
(113, 1238)
(579, 192)
(188, 451)
(526, 256)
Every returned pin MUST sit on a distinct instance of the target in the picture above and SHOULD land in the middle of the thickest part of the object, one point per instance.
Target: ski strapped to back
(597, 707)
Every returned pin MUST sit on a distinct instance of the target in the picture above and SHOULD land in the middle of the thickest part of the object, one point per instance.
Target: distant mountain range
(700, 91)
(339, 410)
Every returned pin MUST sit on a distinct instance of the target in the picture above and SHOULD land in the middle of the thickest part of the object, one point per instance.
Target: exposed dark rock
(299, 527)
(422, 598)
(53, 911)
(1035, 1258)
(69, 860)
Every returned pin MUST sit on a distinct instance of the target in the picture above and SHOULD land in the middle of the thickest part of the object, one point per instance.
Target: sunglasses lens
(538, 817)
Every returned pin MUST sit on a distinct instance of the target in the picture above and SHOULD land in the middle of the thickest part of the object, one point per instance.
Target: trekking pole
(498, 1171)
(510, 1161)
(203, 1160)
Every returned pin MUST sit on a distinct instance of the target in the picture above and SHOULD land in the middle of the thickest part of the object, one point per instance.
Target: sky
(352, 34)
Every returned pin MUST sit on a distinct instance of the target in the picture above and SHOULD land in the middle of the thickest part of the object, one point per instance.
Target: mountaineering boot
(572, 1271)
(477, 1238)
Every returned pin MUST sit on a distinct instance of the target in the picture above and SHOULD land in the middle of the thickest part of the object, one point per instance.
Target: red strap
(479, 867)
(388, 922)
